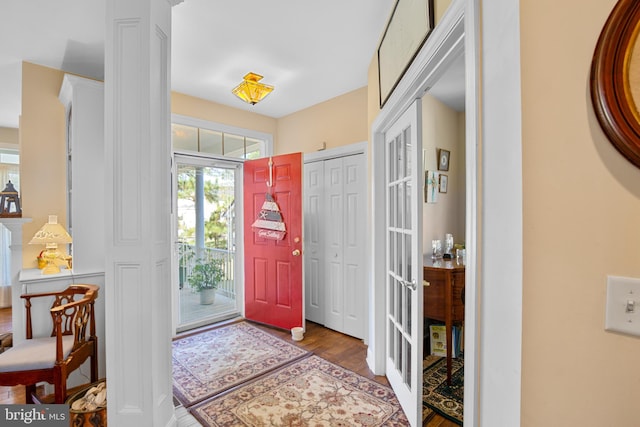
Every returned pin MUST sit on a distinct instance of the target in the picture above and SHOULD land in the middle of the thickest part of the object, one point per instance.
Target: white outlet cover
(620, 292)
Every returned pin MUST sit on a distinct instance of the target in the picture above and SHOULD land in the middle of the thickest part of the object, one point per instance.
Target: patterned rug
(436, 394)
(210, 362)
(309, 392)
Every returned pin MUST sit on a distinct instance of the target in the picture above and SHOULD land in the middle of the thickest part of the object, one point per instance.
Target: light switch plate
(623, 305)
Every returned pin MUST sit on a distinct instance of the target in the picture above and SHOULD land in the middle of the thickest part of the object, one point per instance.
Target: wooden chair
(51, 359)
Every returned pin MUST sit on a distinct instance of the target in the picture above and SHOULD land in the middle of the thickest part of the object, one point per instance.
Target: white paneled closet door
(313, 251)
(335, 242)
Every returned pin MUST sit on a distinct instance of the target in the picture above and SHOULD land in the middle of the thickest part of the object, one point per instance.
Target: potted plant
(205, 277)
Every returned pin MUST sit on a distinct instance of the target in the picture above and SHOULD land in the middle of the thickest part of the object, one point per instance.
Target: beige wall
(43, 179)
(581, 210)
(441, 130)
(439, 8)
(199, 108)
(9, 137)
(339, 121)
(581, 203)
(336, 122)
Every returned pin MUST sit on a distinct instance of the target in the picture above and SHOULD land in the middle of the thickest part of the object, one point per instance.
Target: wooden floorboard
(343, 350)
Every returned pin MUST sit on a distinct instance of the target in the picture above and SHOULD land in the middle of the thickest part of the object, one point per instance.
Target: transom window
(218, 142)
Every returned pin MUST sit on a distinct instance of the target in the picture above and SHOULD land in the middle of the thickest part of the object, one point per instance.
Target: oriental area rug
(308, 392)
(210, 362)
(446, 400)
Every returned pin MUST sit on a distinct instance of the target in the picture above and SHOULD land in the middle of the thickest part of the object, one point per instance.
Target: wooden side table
(444, 296)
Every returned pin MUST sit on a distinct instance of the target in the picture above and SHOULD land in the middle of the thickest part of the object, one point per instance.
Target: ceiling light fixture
(250, 90)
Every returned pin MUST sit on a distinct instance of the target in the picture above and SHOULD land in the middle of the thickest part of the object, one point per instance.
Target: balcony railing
(189, 254)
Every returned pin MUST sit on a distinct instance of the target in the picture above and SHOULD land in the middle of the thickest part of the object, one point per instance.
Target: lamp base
(51, 268)
(50, 256)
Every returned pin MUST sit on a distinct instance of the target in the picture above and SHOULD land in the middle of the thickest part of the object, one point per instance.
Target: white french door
(404, 327)
(206, 194)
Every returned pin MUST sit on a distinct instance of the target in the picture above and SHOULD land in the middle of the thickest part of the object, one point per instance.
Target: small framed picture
(431, 186)
(444, 183)
(443, 159)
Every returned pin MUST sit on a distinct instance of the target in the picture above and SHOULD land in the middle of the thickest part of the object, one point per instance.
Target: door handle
(296, 252)
(411, 285)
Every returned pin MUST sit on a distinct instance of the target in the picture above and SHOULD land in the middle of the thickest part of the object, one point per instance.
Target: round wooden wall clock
(615, 79)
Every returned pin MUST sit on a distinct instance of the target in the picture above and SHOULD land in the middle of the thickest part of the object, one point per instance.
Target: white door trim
(493, 335)
(447, 42)
(444, 45)
(332, 153)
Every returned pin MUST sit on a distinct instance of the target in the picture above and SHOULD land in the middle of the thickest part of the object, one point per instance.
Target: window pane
(407, 153)
(217, 142)
(392, 206)
(184, 137)
(233, 145)
(255, 148)
(391, 156)
(210, 141)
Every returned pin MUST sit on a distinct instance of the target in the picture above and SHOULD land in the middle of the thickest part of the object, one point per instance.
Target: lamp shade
(251, 90)
(51, 232)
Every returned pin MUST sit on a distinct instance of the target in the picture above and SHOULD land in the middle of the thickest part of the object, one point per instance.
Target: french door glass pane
(400, 205)
(392, 207)
(407, 155)
(407, 362)
(391, 154)
(400, 153)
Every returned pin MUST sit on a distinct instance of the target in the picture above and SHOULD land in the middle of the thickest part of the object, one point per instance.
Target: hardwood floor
(16, 394)
(333, 346)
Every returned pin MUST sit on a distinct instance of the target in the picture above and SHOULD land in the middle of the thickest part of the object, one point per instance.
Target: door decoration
(269, 224)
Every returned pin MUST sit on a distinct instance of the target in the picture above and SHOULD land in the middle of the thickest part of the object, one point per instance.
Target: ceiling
(310, 51)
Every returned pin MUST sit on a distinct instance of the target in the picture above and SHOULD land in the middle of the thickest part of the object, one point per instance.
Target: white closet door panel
(354, 251)
(334, 234)
(335, 227)
(334, 314)
(313, 249)
(353, 319)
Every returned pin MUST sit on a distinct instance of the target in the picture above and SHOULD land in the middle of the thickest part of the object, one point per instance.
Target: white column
(137, 225)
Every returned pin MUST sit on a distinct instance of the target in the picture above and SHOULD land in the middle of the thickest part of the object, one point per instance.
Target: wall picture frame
(431, 186)
(408, 28)
(443, 159)
(615, 82)
(444, 183)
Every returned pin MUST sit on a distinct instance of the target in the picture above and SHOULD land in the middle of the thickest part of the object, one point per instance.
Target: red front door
(273, 259)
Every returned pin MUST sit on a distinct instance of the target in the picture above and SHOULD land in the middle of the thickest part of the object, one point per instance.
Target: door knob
(296, 252)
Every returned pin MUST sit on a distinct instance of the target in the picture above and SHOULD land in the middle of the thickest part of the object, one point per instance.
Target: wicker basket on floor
(95, 418)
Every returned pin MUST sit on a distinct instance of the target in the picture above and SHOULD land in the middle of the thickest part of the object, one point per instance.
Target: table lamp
(51, 234)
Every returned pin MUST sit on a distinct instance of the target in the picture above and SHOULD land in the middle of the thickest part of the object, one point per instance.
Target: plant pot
(207, 296)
